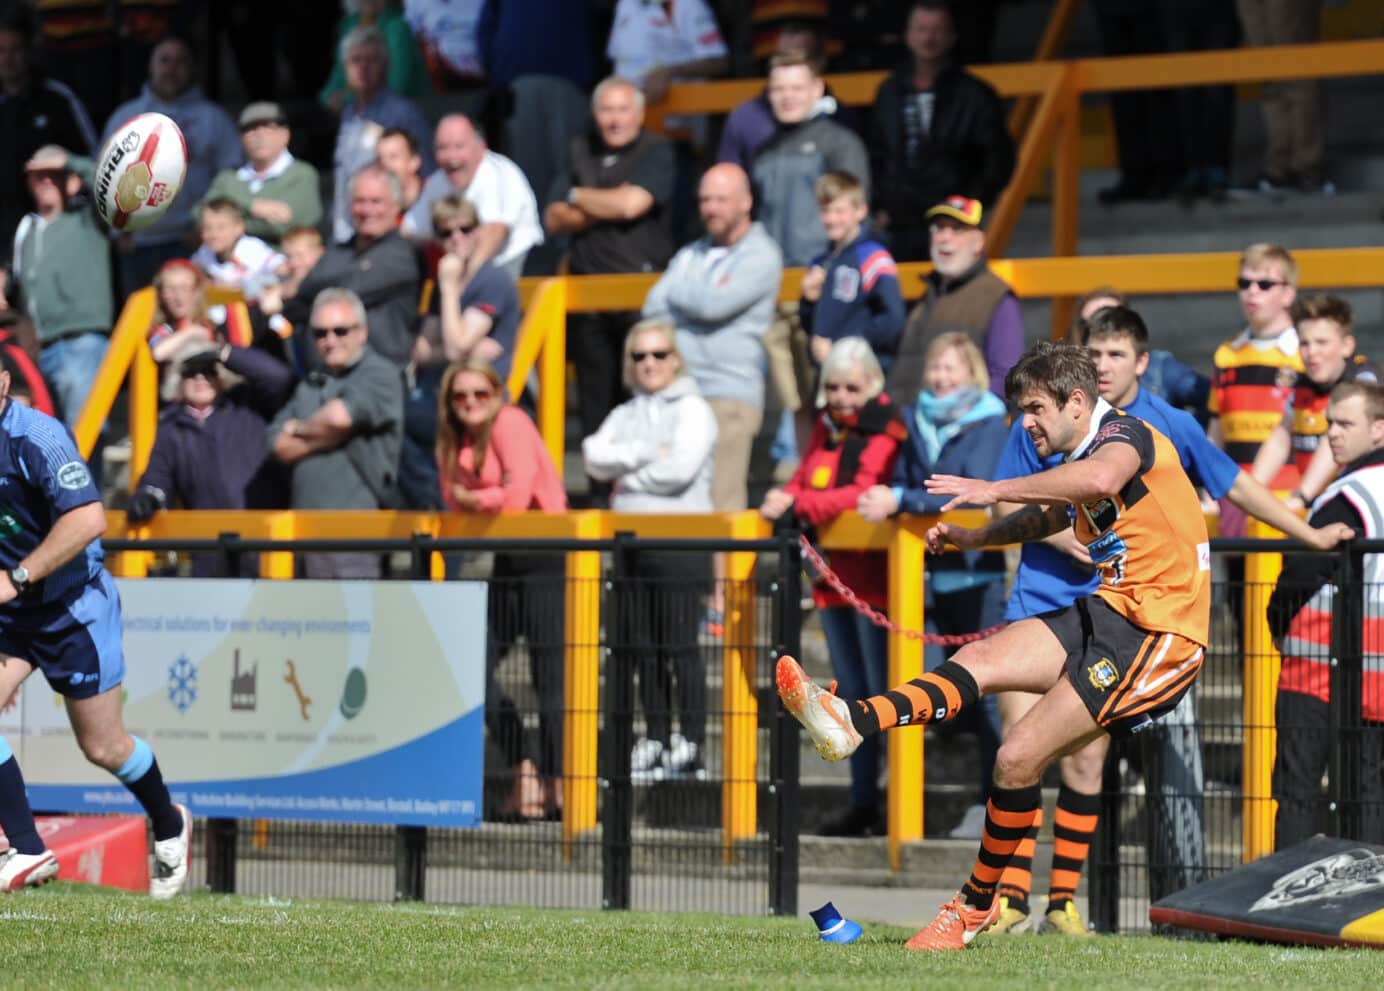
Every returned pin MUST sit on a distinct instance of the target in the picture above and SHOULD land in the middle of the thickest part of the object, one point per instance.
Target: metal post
(231, 552)
(420, 557)
(784, 751)
(617, 814)
(221, 854)
(1105, 864)
(410, 862)
(1344, 710)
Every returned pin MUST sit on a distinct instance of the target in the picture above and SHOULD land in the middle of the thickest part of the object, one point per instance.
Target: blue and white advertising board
(329, 701)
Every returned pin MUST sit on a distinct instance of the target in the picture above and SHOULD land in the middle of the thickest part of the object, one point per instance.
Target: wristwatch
(572, 196)
(19, 577)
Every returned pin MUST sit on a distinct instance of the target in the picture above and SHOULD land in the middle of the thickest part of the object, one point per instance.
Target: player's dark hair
(1055, 370)
(1117, 321)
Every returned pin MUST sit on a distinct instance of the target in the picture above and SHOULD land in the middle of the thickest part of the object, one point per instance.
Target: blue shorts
(75, 641)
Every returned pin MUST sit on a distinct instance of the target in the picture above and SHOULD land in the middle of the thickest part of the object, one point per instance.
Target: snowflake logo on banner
(182, 683)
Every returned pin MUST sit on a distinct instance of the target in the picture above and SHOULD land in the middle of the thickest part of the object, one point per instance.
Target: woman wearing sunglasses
(657, 450)
(853, 445)
(491, 459)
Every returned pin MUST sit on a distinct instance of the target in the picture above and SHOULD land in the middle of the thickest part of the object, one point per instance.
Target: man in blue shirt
(60, 613)
(1054, 573)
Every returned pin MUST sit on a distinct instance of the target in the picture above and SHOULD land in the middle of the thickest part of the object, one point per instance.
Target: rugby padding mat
(108, 850)
(1321, 892)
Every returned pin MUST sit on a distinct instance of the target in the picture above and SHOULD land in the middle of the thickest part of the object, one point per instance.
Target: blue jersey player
(60, 613)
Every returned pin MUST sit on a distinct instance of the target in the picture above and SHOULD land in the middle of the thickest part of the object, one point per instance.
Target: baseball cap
(962, 209)
(262, 112)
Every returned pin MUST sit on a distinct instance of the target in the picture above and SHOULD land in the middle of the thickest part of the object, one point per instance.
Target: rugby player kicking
(1112, 662)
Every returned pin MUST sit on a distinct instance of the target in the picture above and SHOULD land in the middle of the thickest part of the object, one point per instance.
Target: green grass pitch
(70, 936)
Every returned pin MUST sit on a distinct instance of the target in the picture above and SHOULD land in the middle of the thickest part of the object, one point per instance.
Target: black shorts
(1126, 675)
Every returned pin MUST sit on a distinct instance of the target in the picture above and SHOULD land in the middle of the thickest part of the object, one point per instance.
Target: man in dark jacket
(34, 111)
(937, 132)
(209, 452)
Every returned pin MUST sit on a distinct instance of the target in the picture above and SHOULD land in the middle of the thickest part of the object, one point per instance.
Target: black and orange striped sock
(1008, 817)
(1017, 880)
(936, 696)
(1073, 824)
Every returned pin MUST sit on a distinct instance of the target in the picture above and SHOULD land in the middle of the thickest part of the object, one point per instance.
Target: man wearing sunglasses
(1256, 371)
(341, 431)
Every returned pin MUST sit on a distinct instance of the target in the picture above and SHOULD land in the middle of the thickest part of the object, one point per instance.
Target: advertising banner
(329, 701)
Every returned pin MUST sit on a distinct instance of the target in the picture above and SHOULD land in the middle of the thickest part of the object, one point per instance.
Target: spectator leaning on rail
(213, 144)
(491, 459)
(938, 131)
(341, 430)
(657, 450)
(274, 190)
(372, 108)
(720, 292)
(956, 427)
(854, 443)
(62, 275)
(962, 294)
(1326, 344)
(614, 204)
(492, 183)
(1300, 618)
(377, 263)
(209, 451)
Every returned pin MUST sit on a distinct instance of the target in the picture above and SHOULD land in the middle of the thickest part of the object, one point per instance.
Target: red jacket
(868, 445)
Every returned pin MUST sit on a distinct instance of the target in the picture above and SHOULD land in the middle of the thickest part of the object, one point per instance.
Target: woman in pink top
(491, 459)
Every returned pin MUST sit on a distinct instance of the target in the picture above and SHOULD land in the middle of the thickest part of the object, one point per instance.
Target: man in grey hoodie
(720, 292)
(213, 144)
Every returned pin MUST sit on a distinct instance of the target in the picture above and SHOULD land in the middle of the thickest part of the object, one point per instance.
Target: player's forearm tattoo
(1028, 524)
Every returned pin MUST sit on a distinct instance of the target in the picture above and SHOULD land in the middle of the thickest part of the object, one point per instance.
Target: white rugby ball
(140, 171)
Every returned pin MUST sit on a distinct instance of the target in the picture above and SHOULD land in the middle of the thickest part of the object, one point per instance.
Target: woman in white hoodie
(657, 451)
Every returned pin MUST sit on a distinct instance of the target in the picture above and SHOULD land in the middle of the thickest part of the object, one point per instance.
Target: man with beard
(962, 294)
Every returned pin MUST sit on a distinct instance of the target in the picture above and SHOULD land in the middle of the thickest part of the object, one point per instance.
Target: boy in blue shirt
(852, 289)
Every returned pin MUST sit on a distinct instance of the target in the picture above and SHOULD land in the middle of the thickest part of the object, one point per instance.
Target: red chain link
(874, 615)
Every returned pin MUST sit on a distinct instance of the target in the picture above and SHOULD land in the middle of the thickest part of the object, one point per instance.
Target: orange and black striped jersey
(1253, 381)
(1309, 407)
(1149, 541)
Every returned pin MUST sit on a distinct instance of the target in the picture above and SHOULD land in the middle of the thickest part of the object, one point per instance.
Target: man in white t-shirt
(492, 183)
(653, 44)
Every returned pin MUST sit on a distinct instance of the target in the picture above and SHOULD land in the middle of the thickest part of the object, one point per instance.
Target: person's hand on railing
(142, 506)
(464, 498)
(1323, 538)
(876, 504)
(776, 503)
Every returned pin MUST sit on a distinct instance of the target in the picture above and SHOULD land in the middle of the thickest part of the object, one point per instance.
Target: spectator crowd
(372, 223)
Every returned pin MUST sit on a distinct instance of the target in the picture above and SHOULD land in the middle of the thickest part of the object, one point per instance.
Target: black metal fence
(1175, 799)
(660, 840)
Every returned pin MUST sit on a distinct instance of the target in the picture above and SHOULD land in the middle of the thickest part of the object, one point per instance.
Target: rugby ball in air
(140, 171)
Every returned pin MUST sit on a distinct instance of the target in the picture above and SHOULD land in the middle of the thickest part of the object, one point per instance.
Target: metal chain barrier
(819, 563)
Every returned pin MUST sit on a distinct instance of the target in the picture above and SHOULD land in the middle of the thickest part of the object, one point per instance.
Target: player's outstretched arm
(71, 533)
(1099, 476)
(1028, 524)
(1256, 500)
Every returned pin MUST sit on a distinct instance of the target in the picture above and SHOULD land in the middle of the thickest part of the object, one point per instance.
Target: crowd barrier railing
(542, 340)
(901, 539)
